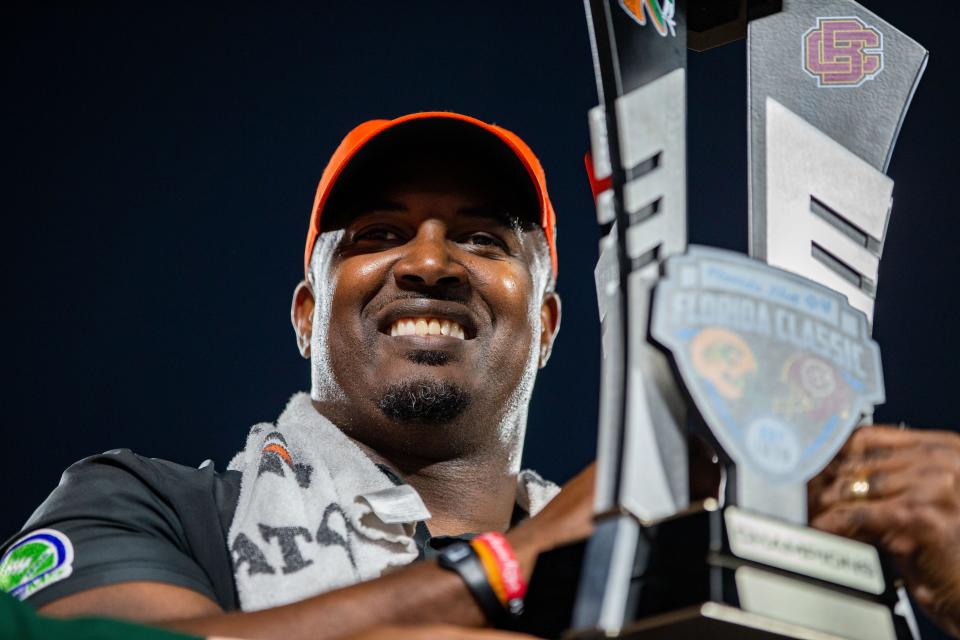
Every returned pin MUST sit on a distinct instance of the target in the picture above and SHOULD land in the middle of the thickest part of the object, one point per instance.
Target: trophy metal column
(770, 359)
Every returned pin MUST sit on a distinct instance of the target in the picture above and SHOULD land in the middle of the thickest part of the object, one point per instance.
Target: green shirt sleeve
(17, 620)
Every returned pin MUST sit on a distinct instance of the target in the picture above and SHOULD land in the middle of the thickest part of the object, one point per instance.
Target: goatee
(424, 402)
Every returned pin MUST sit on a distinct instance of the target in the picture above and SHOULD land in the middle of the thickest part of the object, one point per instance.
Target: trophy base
(722, 572)
(711, 620)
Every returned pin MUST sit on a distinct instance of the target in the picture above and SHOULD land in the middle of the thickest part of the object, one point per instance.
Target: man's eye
(378, 235)
(485, 240)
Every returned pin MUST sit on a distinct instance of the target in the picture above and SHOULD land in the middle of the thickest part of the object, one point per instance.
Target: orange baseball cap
(360, 136)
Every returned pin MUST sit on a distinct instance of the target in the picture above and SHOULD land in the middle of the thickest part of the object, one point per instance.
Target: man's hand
(900, 490)
(567, 518)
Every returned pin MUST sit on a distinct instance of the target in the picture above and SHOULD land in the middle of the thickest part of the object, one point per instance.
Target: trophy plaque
(768, 357)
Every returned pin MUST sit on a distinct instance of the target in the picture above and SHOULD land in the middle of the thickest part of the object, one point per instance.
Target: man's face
(436, 314)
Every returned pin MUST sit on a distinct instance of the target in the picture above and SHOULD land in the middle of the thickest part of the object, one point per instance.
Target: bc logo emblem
(842, 52)
(36, 561)
(661, 13)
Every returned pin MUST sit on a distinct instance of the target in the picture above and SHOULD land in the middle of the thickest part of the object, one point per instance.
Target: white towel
(316, 514)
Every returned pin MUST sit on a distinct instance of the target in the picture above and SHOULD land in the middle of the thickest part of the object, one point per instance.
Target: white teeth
(426, 327)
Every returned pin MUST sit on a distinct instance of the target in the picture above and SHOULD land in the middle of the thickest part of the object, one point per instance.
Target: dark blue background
(161, 163)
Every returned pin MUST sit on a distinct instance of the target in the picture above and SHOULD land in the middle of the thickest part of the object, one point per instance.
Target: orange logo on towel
(280, 450)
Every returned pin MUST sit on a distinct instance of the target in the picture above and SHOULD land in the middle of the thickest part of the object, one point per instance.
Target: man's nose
(427, 261)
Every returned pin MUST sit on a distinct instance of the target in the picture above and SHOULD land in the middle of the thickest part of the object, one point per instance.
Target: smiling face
(432, 311)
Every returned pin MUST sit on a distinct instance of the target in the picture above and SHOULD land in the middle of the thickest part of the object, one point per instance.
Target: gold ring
(860, 489)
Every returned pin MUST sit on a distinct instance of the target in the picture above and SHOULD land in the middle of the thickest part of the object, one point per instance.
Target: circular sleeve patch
(35, 561)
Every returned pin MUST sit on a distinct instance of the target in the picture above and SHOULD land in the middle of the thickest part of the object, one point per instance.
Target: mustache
(442, 296)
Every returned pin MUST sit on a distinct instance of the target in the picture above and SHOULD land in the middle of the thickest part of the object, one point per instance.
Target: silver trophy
(768, 357)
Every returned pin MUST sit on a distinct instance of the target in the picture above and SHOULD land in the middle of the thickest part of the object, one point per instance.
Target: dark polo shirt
(129, 518)
(135, 518)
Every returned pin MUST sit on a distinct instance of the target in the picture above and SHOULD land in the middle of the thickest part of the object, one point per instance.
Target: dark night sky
(161, 163)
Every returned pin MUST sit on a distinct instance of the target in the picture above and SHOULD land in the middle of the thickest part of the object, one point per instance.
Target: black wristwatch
(461, 558)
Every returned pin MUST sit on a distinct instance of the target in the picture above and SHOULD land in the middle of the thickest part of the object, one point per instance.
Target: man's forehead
(407, 203)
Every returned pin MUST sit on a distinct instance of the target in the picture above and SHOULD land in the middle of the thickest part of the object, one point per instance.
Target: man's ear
(301, 316)
(549, 325)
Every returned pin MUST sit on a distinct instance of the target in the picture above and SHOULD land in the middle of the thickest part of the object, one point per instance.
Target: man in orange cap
(427, 307)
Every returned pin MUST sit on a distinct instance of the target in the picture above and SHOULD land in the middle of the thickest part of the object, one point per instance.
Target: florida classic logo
(842, 52)
(779, 367)
(659, 12)
(36, 561)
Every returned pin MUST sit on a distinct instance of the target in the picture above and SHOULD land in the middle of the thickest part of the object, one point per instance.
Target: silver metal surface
(652, 480)
(599, 151)
(827, 210)
(616, 595)
(652, 120)
(653, 144)
(904, 609)
(864, 116)
(713, 621)
(785, 501)
(804, 550)
(745, 621)
(600, 159)
(609, 449)
(606, 211)
(604, 590)
(641, 464)
(800, 603)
